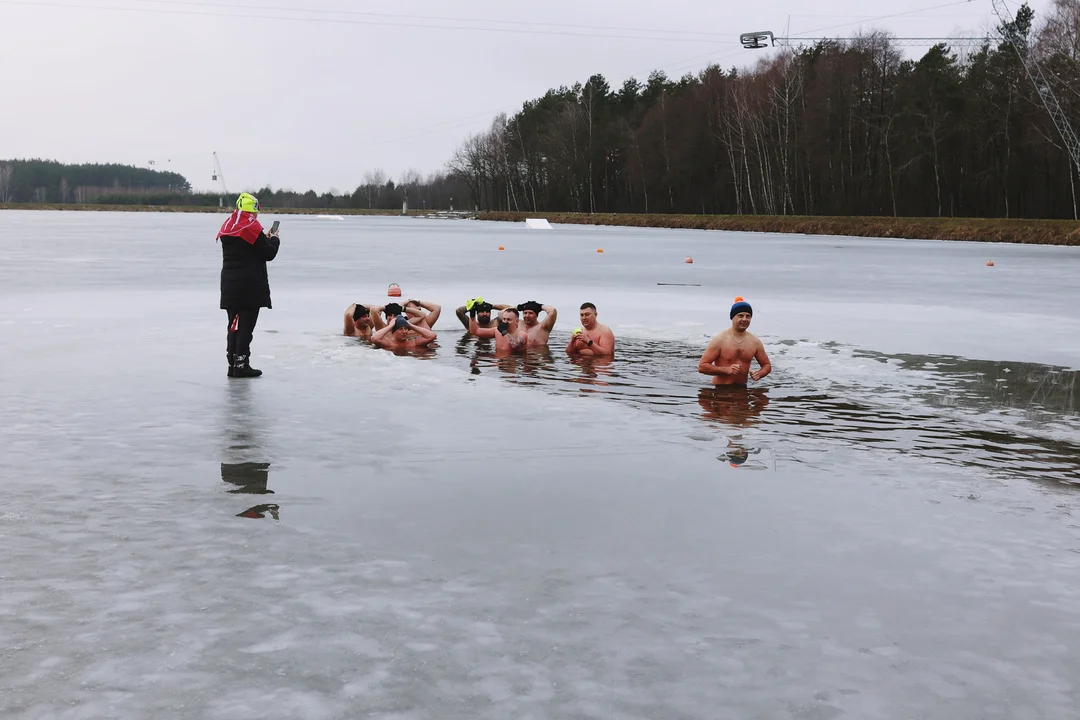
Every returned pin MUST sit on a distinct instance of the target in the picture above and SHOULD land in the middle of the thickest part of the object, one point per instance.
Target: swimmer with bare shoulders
(483, 312)
(423, 313)
(509, 336)
(727, 358)
(362, 320)
(592, 339)
(538, 332)
(391, 311)
(403, 335)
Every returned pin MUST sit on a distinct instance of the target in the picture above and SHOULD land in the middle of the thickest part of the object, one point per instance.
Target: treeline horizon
(51, 182)
(834, 129)
(837, 128)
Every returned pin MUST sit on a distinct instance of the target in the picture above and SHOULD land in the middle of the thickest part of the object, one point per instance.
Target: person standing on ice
(245, 285)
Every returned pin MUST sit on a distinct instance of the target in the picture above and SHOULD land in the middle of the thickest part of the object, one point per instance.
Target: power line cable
(527, 23)
(883, 17)
(346, 21)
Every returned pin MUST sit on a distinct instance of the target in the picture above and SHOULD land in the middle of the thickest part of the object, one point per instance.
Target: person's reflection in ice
(249, 477)
(738, 407)
(536, 362)
(737, 455)
(472, 348)
(243, 434)
(735, 406)
(511, 365)
(591, 369)
(259, 511)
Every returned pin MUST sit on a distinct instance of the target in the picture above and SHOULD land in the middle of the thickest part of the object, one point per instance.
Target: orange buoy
(501, 247)
(393, 291)
(600, 250)
(689, 261)
(989, 263)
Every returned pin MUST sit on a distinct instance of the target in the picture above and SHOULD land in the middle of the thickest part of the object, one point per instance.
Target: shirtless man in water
(538, 332)
(592, 339)
(361, 320)
(727, 359)
(509, 336)
(415, 311)
(403, 335)
(483, 312)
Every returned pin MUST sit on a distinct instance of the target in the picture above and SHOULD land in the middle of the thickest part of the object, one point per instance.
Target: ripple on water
(1008, 419)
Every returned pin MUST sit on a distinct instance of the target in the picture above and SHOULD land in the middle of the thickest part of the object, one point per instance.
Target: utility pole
(765, 39)
(1044, 90)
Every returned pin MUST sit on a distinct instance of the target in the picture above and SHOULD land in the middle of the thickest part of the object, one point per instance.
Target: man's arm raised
(550, 316)
(380, 336)
(434, 311)
(376, 312)
(462, 316)
(350, 326)
(427, 336)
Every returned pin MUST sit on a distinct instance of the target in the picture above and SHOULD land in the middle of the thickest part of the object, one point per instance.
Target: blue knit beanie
(741, 306)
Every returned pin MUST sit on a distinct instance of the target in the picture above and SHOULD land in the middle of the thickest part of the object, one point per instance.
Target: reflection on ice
(470, 537)
(259, 512)
(735, 406)
(1012, 419)
(738, 455)
(250, 477)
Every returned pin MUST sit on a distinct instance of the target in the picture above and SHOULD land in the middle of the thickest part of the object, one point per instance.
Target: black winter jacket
(244, 282)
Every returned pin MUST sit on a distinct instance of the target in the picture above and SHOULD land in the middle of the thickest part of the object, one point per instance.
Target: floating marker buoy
(689, 261)
(600, 250)
(989, 263)
(501, 247)
(393, 291)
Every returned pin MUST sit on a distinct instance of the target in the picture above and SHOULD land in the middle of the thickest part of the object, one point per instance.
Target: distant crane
(219, 177)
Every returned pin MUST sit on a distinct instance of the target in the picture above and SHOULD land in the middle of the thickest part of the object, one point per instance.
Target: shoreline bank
(198, 209)
(984, 230)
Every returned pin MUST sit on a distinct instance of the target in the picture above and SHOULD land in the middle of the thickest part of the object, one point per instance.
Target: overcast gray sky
(311, 93)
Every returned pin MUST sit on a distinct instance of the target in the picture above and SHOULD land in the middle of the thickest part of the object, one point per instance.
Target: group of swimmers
(519, 328)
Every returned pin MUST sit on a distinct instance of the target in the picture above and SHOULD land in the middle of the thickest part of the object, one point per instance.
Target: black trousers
(241, 328)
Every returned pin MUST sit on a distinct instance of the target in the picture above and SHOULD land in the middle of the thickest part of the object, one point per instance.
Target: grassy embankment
(198, 209)
(987, 230)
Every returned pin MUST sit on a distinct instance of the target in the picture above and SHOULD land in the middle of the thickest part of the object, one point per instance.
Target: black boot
(241, 369)
(229, 355)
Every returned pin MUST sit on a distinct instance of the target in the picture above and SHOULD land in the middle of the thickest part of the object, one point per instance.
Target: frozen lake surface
(883, 528)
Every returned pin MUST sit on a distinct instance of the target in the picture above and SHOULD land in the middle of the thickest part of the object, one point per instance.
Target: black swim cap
(484, 307)
(392, 309)
(360, 312)
(531, 305)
